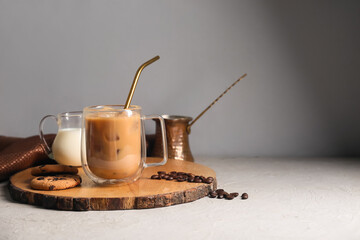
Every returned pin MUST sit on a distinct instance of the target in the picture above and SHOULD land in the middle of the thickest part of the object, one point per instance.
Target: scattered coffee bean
(229, 197)
(191, 179)
(244, 196)
(212, 194)
(197, 180)
(235, 194)
(220, 194)
(209, 180)
(220, 191)
(180, 179)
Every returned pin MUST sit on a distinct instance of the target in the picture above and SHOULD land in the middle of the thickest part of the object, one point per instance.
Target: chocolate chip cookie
(57, 182)
(46, 170)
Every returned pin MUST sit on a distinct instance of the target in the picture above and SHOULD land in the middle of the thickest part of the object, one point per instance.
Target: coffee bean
(161, 175)
(155, 177)
(173, 172)
(191, 179)
(180, 179)
(220, 191)
(191, 175)
(229, 197)
(235, 194)
(197, 180)
(212, 194)
(220, 196)
(244, 196)
(166, 176)
(170, 178)
(202, 178)
(209, 180)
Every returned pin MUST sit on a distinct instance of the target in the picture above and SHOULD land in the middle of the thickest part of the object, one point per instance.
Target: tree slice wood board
(144, 193)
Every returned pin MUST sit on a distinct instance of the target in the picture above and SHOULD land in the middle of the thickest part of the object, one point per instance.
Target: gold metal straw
(217, 99)
(136, 78)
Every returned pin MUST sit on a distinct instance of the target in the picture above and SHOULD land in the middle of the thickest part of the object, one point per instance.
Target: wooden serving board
(144, 193)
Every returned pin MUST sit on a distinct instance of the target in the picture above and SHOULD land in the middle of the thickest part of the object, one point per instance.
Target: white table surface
(314, 198)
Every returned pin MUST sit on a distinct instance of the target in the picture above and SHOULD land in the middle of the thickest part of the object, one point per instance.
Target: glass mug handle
(41, 125)
(164, 142)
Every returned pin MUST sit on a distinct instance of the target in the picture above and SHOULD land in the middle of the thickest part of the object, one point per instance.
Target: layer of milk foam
(66, 147)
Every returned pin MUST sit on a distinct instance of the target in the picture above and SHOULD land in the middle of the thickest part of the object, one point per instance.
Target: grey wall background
(301, 96)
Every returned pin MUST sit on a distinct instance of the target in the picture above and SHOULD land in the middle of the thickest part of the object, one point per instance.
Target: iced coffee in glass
(113, 143)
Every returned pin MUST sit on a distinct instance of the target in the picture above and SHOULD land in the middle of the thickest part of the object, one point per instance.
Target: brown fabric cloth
(17, 154)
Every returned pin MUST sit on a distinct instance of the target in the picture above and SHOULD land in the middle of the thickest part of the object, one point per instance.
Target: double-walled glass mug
(113, 148)
(66, 146)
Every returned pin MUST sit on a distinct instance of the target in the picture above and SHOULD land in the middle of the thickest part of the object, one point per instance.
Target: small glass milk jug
(66, 148)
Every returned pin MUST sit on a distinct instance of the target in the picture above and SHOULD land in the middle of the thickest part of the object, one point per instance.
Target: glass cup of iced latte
(113, 148)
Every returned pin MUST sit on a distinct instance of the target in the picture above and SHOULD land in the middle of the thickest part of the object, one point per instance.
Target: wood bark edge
(90, 204)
